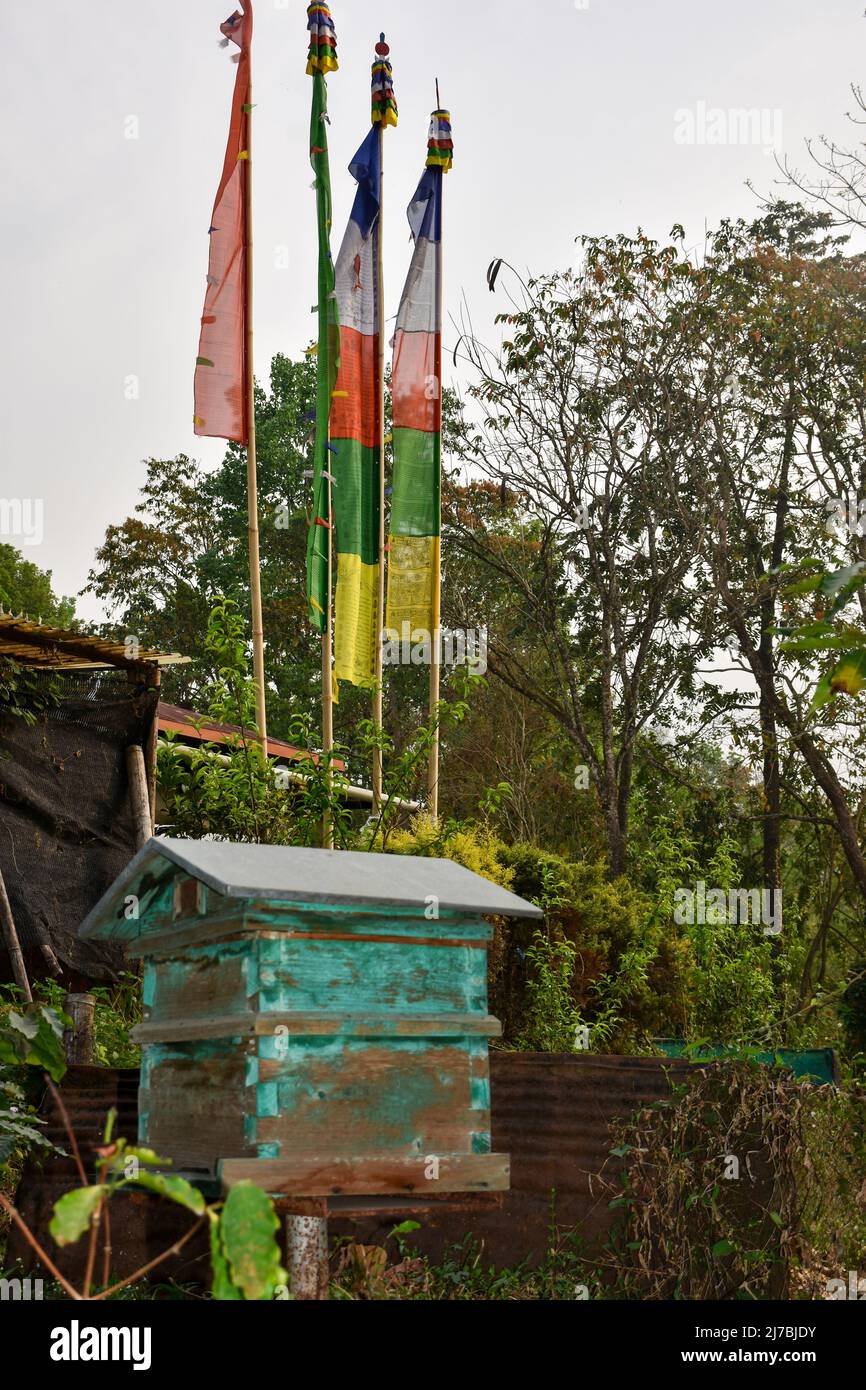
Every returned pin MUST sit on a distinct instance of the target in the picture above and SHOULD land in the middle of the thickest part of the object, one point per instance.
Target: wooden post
(155, 680)
(252, 480)
(13, 945)
(378, 694)
(78, 1040)
(139, 797)
(433, 767)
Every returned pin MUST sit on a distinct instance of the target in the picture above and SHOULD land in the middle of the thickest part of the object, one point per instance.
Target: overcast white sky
(564, 113)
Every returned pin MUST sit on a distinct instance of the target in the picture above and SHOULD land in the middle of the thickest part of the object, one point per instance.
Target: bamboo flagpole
(322, 60)
(252, 471)
(381, 116)
(379, 673)
(415, 523)
(433, 767)
(224, 382)
(357, 420)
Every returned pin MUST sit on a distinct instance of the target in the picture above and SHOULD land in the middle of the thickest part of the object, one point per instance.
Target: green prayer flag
(327, 362)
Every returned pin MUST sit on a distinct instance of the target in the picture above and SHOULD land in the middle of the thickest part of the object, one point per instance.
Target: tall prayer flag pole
(414, 570)
(321, 60)
(442, 157)
(224, 380)
(358, 415)
(384, 114)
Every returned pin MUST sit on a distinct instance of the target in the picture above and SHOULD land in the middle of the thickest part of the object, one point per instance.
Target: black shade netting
(66, 827)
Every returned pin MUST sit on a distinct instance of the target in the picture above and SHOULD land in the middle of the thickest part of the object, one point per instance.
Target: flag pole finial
(438, 102)
(384, 101)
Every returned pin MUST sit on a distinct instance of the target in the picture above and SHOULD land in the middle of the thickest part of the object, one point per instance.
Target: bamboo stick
(252, 480)
(433, 766)
(13, 945)
(378, 696)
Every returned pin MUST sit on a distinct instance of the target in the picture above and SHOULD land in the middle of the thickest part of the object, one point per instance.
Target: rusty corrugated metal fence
(552, 1113)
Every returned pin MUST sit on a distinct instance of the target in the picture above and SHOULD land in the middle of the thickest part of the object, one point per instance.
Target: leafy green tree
(24, 588)
(582, 418)
(160, 571)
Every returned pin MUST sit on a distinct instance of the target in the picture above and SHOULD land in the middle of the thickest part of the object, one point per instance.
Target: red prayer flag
(220, 374)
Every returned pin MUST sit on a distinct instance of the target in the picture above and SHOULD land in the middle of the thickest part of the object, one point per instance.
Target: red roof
(173, 719)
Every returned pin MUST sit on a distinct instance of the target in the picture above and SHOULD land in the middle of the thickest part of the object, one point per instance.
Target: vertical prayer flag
(416, 394)
(322, 59)
(356, 414)
(220, 375)
(355, 428)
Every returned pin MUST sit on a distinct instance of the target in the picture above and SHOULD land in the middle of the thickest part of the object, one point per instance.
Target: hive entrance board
(315, 1021)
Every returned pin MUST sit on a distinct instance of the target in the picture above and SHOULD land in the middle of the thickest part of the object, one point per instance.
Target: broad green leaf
(816, 644)
(222, 1288)
(406, 1228)
(147, 1156)
(174, 1188)
(849, 676)
(248, 1223)
(852, 575)
(26, 1024)
(46, 1050)
(804, 586)
(722, 1247)
(823, 693)
(73, 1213)
(34, 1038)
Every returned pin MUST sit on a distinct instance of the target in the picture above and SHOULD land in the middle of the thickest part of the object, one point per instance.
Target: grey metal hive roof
(315, 876)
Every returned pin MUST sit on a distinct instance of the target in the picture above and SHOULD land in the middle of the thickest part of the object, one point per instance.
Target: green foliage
(117, 1011)
(247, 1226)
(24, 588)
(732, 993)
(73, 1213)
(19, 1123)
(33, 1037)
(830, 632)
(23, 693)
(562, 1273)
(781, 1222)
(160, 572)
(229, 792)
(553, 1022)
(853, 1010)
(474, 847)
(31, 1041)
(244, 1252)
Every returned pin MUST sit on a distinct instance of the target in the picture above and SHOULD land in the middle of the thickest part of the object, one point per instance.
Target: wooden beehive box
(314, 1020)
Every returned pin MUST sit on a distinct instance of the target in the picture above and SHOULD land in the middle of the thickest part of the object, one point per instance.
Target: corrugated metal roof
(35, 644)
(314, 876)
(198, 728)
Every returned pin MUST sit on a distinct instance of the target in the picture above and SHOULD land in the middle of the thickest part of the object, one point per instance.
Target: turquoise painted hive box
(314, 1020)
